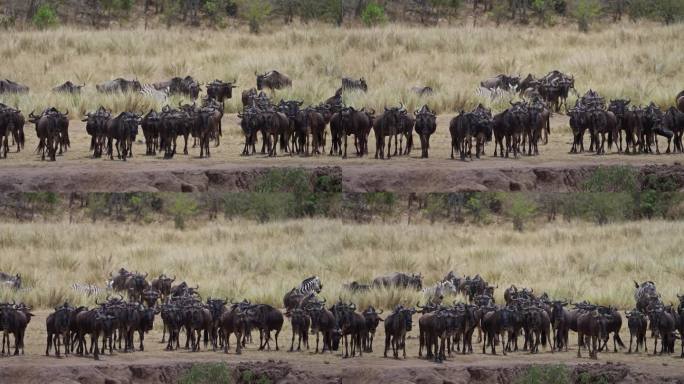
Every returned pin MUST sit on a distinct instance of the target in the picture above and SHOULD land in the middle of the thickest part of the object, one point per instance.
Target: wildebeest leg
(344, 134)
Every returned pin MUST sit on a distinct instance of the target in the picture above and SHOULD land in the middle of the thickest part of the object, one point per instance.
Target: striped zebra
(308, 286)
(496, 94)
(435, 294)
(161, 96)
(88, 289)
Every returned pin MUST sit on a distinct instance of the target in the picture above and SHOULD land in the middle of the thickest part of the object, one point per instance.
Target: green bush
(543, 374)
(668, 11)
(585, 11)
(181, 205)
(520, 209)
(45, 17)
(207, 373)
(373, 14)
(612, 179)
(255, 11)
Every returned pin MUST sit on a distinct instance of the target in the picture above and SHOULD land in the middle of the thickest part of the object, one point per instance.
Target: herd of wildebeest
(290, 127)
(444, 328)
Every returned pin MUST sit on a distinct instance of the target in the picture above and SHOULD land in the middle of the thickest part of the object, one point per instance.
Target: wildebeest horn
(67, 113)
(379, 312)
(32, 115)
(636, 284)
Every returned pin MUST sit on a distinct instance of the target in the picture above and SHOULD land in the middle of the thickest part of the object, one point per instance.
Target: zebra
(308, 286)
(435, 294)
(161, 96)
(496, 94)
(88, 289)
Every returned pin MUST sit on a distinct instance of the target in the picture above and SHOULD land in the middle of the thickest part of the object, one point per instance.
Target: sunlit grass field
(244, 259)
(638, 61)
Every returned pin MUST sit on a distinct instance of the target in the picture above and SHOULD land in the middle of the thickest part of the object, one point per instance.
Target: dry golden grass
(262, 261)
(630, 60)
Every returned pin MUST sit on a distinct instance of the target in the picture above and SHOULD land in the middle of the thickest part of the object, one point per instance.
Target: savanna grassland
(637, 61)
(244, 259)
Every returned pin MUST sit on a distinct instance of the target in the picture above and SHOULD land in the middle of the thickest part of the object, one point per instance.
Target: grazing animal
(9, 86)
(219, 90)
(397, 325)
(119, 85)
(354, 85)
(399, 280)
(272, 80)
(68, 87)
(10, 281)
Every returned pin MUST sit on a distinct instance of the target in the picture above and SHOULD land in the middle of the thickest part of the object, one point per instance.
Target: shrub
(612, 179)
(181, 206)
(585, 11)
(520, 209)
(541, 374)
(45, 17)
(373, 14)
(255, 11)
(206, 373)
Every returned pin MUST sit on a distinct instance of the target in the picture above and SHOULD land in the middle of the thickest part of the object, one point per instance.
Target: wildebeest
(308, 286)
(591, 329)
(386, 126)
(10, 281)
(121, 133)
(11, 123)
(266, 319)
(679, 101)
(234, 320)
(637, 323)
(300, 328)
(349, 84)
(397, 324)
(663, 326)
(51, 132)
(509, 125)
(309, 122)
(250, 124)
(9, 86)
(57, 326)
(426, 125)
(13, 320)
(219, 90)
(423, 91)
(119, 85)
(673, 121)
(272, 80)
(135, 285)
(163, 284)
(151, 126)
(373, 319)
(96, 127)
(181, 85)
(399, 280)
(352, 325)
(68, 87)
(504, 82)
(353, 122)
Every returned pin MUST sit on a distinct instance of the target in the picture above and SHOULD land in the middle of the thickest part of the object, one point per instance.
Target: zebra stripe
(309, 285)
(494, 94)
(87, 289)
(160, 95)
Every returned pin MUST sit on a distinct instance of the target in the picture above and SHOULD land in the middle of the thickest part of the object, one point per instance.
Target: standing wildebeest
(309, 122)
(96, 127)
(163, 284)
(396, 326)
(663, 327)
(351, 324)
(509, 125)
(387, 125)
(591, 329)
(460, 128)
(353, 122)
(123, 129)
(219, 90)
(405, 129)
(135, 285)
(9, 86)
(248, 96)
(423, 91)
(426, 125)
(680, 326)
(119, 85)
(57, 325)
(234, 320)
(272, 125)
(627, 123)
(504, 82)
(267, 319)
(48, 131)
(180, 86)
(399, 280)
(250, 124)
(289, 108)
(208, 128)
(68, 87)
(373, 319)
(637, 323)
(300, 327)
(151, 126)
(12, 122)
(272, 80)
(673, 121)
(354, 85)
(12, 282)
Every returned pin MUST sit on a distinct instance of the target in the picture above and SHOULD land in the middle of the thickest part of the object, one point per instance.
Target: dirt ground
(554, 169)
(155, 365)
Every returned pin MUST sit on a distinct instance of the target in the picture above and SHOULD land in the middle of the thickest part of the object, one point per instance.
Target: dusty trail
(226, 170)
(155, 365)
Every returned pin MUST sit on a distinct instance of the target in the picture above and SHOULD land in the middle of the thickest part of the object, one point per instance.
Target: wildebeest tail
(619, 340)
(543, 338)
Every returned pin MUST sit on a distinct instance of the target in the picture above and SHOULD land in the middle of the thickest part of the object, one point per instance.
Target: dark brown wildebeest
(310, 122)
(13, 320)
(355, 286)
(219, 90)
(560, 321)
(300, 320)
(679, 101)
(396, 326)
(163, 284)
(118, 282)
(637, 323)
(10, 281)
(135, 286)
(273, 124)
(9, 86)
(58, 326)
(423, 91)
(96, 127)
(426, 125)
(386, 126)
(460, 128)
(663, 327)
(399, 280)
(504, 82)
(591, 329)
(287, 138)
(151, 126)
(673, 121)
(373, 319)
(150, 297)
(180, 86)
(322, 322)
(208, 128)
(351, 324)
(248, 96)
(509, 125)
(68, 87)
(48, 132)
(119, 85)
(12, 122)
(272, 80)
(405, 130)
(121, 133)
(627, 122)
(266, 319)
(353, 122)
(354, 85)
(250, 124)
